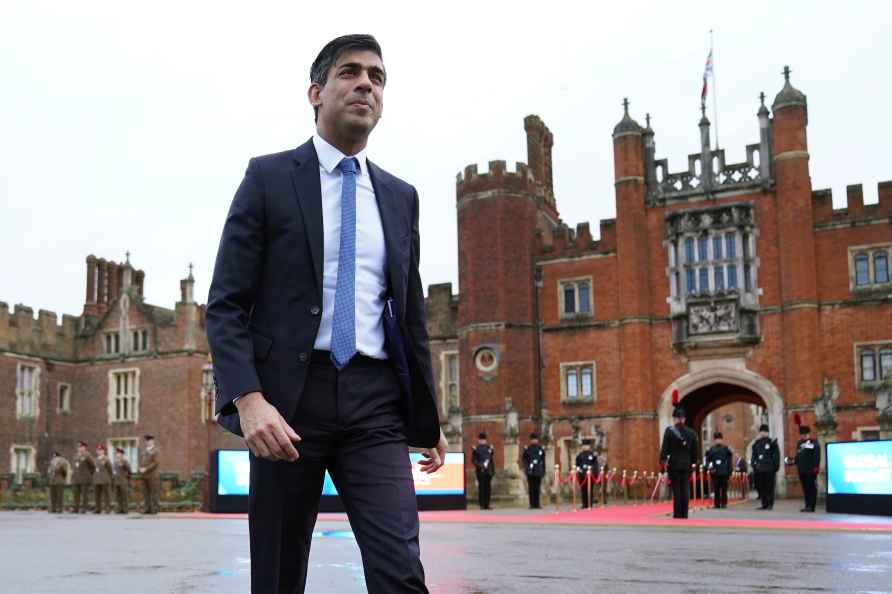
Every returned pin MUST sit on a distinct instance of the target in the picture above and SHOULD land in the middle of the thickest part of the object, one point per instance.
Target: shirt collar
(330, 156)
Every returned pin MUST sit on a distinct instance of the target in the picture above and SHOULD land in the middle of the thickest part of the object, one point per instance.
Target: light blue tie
(343, 326)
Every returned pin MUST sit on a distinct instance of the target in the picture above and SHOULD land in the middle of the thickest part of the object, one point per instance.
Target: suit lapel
(308, 189)
(388, 207)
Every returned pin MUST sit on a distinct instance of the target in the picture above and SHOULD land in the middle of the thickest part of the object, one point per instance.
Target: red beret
(119, 450)
(82, 443)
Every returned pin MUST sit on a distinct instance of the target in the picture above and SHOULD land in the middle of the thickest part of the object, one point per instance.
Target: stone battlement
(568, 242)
(20, 331)
(497, 176)
(534, 178)
(824, 213)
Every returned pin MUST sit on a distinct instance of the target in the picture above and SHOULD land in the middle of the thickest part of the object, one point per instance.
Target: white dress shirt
(371, 280)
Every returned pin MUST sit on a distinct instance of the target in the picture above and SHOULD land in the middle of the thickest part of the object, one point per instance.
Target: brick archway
(708, 389)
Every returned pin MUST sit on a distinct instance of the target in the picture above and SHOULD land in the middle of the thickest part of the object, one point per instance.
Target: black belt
(359, 360)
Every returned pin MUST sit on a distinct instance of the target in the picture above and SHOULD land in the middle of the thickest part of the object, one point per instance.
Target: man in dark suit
(316, 323)
(678, 452)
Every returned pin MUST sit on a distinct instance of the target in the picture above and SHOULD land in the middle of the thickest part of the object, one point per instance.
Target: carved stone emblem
(709, 318)
(825, 407)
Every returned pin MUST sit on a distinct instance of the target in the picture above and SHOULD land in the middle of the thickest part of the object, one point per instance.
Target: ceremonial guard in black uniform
(484, 465)
(765, 463)
(587, 460)
(808, 463)
(718, 462)
(677, 454)
(534, 468)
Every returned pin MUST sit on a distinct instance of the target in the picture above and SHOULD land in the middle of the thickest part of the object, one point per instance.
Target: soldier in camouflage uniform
(148, 470)
(102, 481)
(58, 473)
(121, 481)
(84, 467)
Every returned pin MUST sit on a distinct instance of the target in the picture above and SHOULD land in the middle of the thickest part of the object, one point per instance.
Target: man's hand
(434, 457)
(266, 432)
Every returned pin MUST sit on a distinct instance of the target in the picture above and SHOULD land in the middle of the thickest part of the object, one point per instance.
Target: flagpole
(715, 94)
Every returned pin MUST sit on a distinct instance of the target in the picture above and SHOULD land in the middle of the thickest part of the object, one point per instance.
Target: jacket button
(315, 310)
(302, 357)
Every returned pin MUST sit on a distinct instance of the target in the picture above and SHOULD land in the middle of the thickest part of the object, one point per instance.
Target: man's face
(81, 450)
(353, 96)
(481, 442)
(763, 433)
(718, 441)
(534, 442)
(587, 447)
(150, 443)
(679, 420)
(119, 456)
(99, 452)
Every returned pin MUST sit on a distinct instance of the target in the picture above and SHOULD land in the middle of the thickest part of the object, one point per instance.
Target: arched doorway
(723, 407)
(707, 390)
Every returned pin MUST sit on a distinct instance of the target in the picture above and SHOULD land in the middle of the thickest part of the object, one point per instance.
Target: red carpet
(622, 515)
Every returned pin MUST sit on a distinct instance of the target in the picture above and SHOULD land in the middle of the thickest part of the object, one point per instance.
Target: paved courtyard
(180, 555)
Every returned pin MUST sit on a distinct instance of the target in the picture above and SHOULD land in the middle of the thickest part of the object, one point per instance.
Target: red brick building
(735, 283)
(122, 369)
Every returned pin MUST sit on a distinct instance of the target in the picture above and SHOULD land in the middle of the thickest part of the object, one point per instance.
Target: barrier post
(702, 490)
(557, 488)
(693, 486)
(571, 478)
(588, 485)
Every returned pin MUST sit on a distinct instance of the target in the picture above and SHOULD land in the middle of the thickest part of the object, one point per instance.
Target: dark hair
(333, 50)
(481, 436)
(717, 435)
(763, 427)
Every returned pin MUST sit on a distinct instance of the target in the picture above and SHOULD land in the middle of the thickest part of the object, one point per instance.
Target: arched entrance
(707, 390)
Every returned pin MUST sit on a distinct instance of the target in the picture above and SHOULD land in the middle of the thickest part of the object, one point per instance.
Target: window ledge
(873, 288)
(566, 400)
(576, 317)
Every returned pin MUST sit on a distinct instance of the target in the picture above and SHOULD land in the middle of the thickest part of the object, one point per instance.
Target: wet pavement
(134, 555)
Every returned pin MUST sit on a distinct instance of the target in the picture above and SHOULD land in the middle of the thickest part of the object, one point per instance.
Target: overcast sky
(128, 126)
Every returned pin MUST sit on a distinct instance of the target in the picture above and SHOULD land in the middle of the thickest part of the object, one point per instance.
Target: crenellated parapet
(531, 181)
(567, 242)
(21, 332)
(826, 216)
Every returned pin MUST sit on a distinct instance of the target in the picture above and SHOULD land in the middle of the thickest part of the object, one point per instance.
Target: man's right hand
(266, 432)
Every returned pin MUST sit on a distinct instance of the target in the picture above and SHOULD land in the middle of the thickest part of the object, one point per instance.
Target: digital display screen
(233, 472)
(234, 475)
(859, 468)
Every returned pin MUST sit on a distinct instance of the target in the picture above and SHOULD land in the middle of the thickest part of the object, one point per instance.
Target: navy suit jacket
(265, 300)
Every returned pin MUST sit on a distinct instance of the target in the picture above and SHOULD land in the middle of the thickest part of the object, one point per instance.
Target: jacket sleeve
(664, 450)
(817, 454)
(416, 327)
(153, 463)
(474, 460)
(233, 292)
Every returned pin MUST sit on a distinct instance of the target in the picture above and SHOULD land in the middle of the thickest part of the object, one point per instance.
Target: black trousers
(680, 492)
(587, 490)
(484, 489)
(809, 489)
(720, 490)
(535, 484)
(765, 487)
(349, 424)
